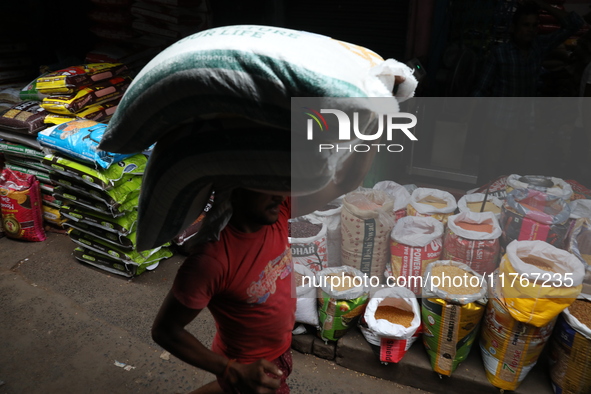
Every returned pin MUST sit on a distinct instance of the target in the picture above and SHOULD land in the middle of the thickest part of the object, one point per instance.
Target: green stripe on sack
(368, 245)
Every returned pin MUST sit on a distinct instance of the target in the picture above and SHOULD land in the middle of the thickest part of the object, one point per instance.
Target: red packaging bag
(20, 199)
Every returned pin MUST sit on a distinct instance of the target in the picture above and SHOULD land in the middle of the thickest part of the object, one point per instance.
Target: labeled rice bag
(579, 244)
(307, 239)
(341, 300)
(122, 225)
(98, 178)
(71, 79)
(432, 202)
(454, 301)
(127, 269)
(79, 139)
(24, 118)
(20, 198)
(97, 93)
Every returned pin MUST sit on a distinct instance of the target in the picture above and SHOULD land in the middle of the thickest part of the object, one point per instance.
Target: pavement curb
(355, 353)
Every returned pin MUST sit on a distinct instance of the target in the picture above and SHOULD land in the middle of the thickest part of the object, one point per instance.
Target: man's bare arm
(169, 332)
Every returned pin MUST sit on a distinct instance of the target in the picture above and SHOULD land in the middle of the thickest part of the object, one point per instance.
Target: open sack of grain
(342, 298)
(218, 104)
(415, 243)
(473, 203)
(472, 238)
(530, 214)
(540, 280)
(570, 349)
(393, 319)
(549, 185)
(438, 204)
(400, 195)
(307, 239)
(454, 300)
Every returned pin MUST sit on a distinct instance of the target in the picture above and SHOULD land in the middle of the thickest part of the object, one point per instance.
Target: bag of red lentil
(472, 238)
(415, 243)
(307, 237)
(22, 214)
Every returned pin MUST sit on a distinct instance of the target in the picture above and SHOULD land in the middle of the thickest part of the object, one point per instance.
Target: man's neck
(244, 226)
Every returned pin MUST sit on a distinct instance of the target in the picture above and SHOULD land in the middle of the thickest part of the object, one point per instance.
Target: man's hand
(255, 378)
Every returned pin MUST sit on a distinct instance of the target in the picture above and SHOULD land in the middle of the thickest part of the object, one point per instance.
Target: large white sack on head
(247, 71)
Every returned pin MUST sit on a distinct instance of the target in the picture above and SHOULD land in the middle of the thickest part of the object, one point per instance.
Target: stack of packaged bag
(100, 192)
(170, 20)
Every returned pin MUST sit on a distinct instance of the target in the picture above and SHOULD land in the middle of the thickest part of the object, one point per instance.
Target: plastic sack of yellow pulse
(454, 300)
(438, 204)
(539, 281)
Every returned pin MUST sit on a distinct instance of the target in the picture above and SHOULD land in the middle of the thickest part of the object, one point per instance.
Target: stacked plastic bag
(99, 193)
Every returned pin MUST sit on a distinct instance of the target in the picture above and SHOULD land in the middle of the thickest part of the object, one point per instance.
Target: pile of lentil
(303, 229)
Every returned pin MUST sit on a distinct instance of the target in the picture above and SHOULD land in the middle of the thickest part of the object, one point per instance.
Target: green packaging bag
(339, 307)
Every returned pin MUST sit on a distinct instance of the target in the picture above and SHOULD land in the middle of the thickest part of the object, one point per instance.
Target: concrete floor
(68, 327)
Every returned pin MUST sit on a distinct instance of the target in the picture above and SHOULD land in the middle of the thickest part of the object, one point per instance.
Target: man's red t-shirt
(245, 280)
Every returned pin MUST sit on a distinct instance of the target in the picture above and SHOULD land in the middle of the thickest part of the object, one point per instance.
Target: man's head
(525, 24)
(252, 210)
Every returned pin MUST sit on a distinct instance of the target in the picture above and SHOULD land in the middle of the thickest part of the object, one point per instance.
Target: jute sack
(367, 219)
